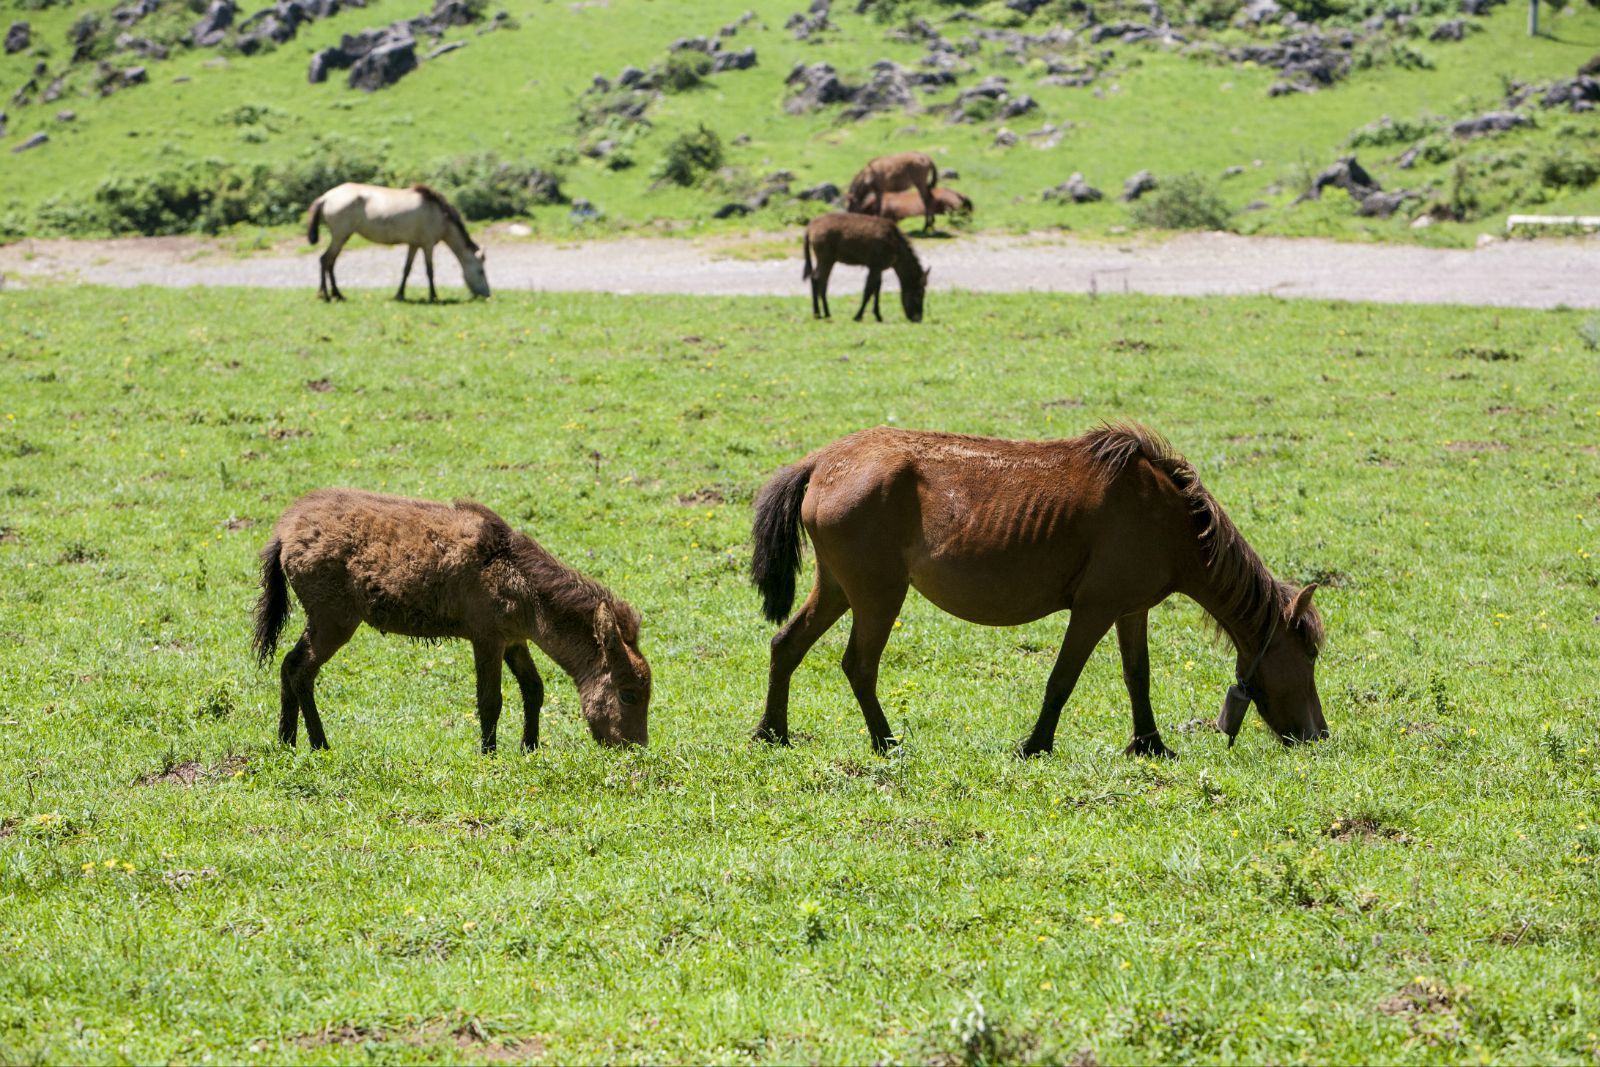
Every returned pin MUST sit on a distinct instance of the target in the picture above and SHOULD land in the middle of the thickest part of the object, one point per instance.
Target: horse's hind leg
(411, 257)
(532, 687)
(870, 625)
(486, 658)
(321, 640)
(289, 704)
(821, 279)
(1084, 631)
(789, 646)
(427, 261)
(1133, 639)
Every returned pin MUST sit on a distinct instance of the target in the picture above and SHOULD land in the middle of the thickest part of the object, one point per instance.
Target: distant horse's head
(913, 290)
(1284, 684)
(472, 271)
(616, 699)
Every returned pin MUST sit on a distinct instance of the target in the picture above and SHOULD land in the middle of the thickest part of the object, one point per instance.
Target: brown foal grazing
(892, 174)
(432, 571)
(906, 205)
(1005, 532)
(863, 241)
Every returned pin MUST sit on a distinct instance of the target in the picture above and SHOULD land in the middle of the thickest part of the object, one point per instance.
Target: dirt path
(1507, 273)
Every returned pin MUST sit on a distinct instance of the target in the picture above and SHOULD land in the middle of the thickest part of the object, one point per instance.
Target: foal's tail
(273, 607)
(805, 275)
(776, 559)
(313, 221)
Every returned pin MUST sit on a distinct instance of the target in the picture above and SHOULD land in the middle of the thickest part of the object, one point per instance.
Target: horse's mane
(449, 210)
(566, 589)
(1252, 593)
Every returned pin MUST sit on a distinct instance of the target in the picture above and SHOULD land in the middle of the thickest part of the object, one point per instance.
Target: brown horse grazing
(863, 241)
(892, 174)
(946, 201)
(1005, 532)
(432, 571)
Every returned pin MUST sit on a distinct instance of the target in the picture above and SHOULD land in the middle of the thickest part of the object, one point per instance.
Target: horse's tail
(273, 607)
(313, 221)
(776, 559)
(805, 275)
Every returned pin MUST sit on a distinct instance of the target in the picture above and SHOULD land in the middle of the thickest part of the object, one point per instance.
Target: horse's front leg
(1084, 631)
(874, 275)
(411, 256)
(532, 686)
(1133, 639)
(427, 260)
(486, 657)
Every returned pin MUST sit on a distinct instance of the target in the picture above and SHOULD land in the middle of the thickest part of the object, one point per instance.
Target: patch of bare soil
(701, 497)
(320, 385)
(1418, 998)
(469, 1038)
(234, 524)
(1366, 828)
(190, 772)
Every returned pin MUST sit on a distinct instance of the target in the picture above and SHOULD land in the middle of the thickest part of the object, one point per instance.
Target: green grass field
(515, 94)
(176, 887)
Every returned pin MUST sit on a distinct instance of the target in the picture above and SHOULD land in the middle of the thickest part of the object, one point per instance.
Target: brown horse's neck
(558, 611)
(1234, 588)
(907, 267)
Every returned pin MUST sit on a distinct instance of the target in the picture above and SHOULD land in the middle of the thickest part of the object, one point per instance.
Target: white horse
(418, 217)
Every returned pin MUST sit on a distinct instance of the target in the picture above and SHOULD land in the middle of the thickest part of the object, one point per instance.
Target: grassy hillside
(1420, 888)
(515, 93)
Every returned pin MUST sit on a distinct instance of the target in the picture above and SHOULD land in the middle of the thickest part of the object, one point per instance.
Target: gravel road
(1536, 274)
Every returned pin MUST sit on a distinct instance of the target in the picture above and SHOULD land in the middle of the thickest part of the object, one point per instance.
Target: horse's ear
(608, 634)
(1301, 603)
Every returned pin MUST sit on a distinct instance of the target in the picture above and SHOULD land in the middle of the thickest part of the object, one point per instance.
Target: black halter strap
(1244, 679)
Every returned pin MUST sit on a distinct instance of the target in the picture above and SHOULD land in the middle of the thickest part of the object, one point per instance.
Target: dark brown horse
(892, 174)
(863, 241)
(432, 571)
(906, 205)
(1000, 532)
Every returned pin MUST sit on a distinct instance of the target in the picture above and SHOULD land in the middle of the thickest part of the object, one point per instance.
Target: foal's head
(472, 271)
(616, 699)
(1284, 685)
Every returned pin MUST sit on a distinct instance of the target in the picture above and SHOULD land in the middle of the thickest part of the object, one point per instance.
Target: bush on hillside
(690, 157)
(1187, 202)
(483, 186)
(684, 70)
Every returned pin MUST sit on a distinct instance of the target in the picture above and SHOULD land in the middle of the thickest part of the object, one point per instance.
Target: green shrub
(684, 70)
(1566, 169)
(1187, 202)
(483, 186)
(690, 157)
(1386, 131)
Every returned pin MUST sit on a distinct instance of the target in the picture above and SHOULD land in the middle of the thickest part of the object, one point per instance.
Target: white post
(1533, 18)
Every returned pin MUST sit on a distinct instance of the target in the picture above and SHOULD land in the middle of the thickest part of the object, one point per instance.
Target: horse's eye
(629, 696)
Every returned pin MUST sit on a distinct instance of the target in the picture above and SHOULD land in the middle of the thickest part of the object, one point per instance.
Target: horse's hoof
(769, 736)
(1029, 750)
(1150, 748)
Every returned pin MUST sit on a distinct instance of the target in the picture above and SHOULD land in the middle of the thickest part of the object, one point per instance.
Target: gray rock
(816, 86)
(2, 125)
(33, 142)
(1490, 123)
(725, 61)
(1076, 190)
(1232, 172)
(630, 77)
(385, 64)
(213, 26)
(1478, 7)
(1450, 30)
(1346, 174)
(445, 49)
(1004, 138)
(66, 116)
(1027, 7)
(1382, 205)
(731, 210)
(582, 211)
(1126, 32)
(127, 42)
(827, 192)
(1136, 186)
(1579, 94)
(1019, 105)
(1256, 11)
(18, 37)
(55, 90)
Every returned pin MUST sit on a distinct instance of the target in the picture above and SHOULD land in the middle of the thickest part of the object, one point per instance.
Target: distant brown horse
(863, 241)
(432, 571)
(1001, 532)
(893, 174)
(906, 205)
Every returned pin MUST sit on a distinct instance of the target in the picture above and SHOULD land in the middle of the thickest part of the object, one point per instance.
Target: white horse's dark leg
(411, 255)
(427, 260)
(329, 258)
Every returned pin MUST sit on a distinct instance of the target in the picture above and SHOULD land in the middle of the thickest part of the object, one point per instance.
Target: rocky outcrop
(18, 37)
(1074, 190)
(1137, 185)
(212, 29)
(379, 57)
(1493, 122)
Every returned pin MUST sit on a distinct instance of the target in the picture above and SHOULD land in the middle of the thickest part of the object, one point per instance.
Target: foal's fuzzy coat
(892, 174)
(863, 241)
(906, 205)
(431, 571)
